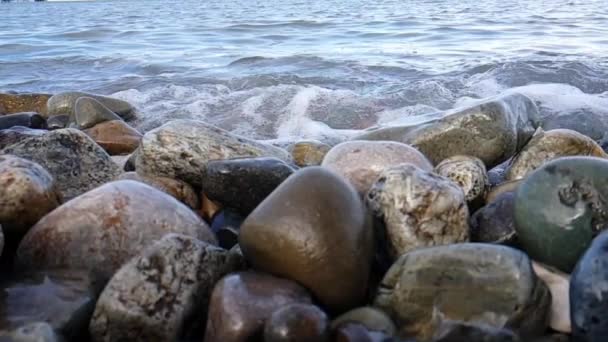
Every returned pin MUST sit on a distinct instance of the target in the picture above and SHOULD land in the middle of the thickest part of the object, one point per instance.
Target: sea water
(289, 69)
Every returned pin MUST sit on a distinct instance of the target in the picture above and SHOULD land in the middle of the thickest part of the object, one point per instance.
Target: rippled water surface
(295, 68)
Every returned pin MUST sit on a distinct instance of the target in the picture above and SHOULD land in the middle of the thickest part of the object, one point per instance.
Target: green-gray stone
(475, 283)
(560, 207)
(89, 112)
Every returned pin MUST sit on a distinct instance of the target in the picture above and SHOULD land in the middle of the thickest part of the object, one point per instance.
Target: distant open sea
(308, 68)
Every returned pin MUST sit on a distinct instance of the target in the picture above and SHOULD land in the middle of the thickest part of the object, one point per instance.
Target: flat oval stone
(182, 148)
(104, 228)
(308, 152)
(474, 283)
(419, 209)
(297, 323)
(559, 285)
(549, 145)
(495, 222)
(469, 173)
(241, 303)
(589, 293)
(27, 193)
(62, 298)
(361, 162)
(492, 130)
(158, 293)
(17, 103)
(29, 120)
(372, 318)
(311, 220)
(180, 190)
(76, 162)
(89, 112)
(65, 103)
(560, 207)
(116, 137)
(244, 183)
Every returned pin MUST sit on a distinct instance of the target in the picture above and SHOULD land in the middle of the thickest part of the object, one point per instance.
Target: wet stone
(104, 228)
(297, 323)
(503, 291)
(181, 191)
(226, 225)
(33, 332)
(18, 103)
(495, 222)
(241, 304)
(242, 184)
(492, 130)
(313, 219)
(15, 135)
(182, 148)
(75, 161)
(560, 207)
(361, 162)
(63, 299)
(65, 103)
(29, 120)
(461, 332)
(116, 137)
(58, 122)
(418, 208)
(371, 318)
(156, 294)
(27, 193)
(549, 145)
(89, 112)
(469, 173)
(308, 152)
(589, 293)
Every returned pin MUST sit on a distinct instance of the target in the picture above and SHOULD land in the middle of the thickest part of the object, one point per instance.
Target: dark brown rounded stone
(297, 323)
(315, 230)
(102, 229)
(242, 302)
(495, 223)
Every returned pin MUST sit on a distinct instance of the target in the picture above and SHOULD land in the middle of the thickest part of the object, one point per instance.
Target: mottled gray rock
(492, 130)
(102, 229)
(27, 193)
(17, 134)
(360, 162)
(474, 283)
(469, 173)
(182, 148)
(156, 294)
(29, 120)
(244, 183)
(33, 332)
(89, 112)
(549, 145)
(65, 103)
(418, 208)
(76, 162)
(63, 299)
(242, 302)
